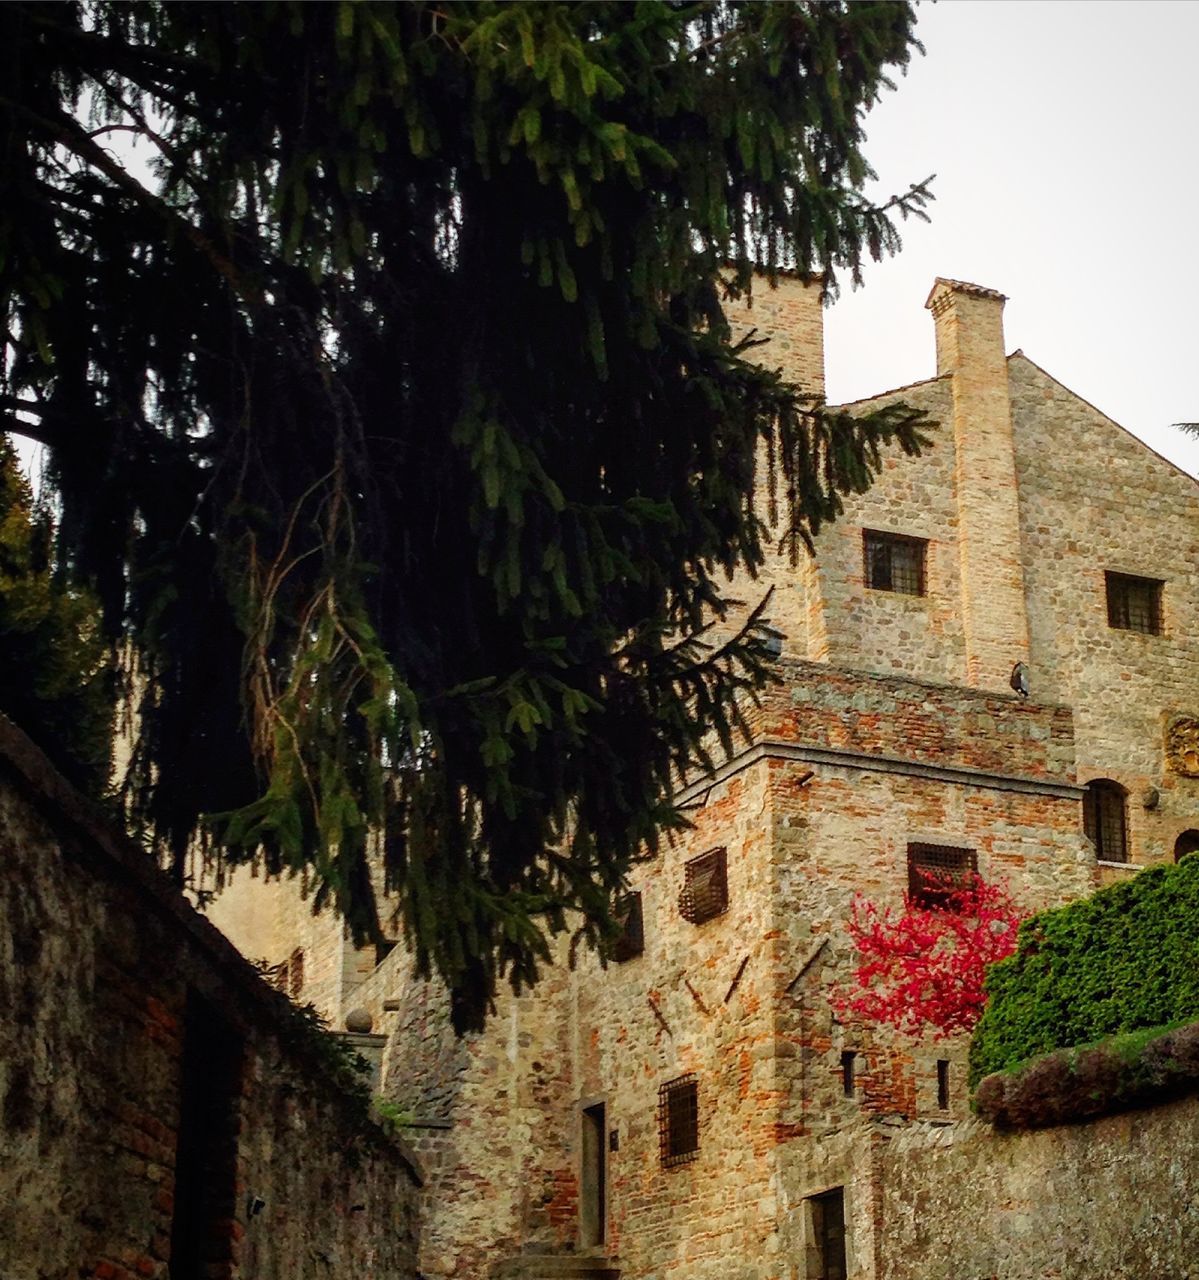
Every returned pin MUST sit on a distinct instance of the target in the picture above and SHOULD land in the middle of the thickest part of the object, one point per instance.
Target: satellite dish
(1019, 680)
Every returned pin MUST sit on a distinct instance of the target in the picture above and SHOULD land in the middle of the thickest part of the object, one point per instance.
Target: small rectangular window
(631, 940)
(705, 887)
(295, 973)
(678, 1120)
(937, 871)
(894, 562)
(848, 1072)
(1134, 604)
(826, 1236)
(943, 1084)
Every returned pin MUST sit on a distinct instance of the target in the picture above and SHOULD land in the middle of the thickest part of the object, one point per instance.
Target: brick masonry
(101, 965)
(893, 722)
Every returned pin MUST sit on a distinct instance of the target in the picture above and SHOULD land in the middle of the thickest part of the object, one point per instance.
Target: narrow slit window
(1134, 604)
(705, 887)
(849, 1060)
(894, 562)
(678, 1120)
(936, 872)
(943, 1084)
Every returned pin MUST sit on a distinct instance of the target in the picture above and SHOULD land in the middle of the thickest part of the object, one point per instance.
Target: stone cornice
(840, 758)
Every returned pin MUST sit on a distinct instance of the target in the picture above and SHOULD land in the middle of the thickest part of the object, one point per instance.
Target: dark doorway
(593, 1173)
(826, 1258)
(206, 1154)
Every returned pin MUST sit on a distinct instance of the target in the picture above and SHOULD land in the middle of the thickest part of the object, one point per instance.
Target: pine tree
(397, 421)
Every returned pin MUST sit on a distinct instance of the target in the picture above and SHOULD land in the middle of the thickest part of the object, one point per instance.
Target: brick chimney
(969, 324)
(791, 317)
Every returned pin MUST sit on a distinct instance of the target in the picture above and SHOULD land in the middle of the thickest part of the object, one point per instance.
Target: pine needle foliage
(396, 419)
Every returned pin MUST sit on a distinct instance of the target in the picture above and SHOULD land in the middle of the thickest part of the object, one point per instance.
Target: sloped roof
(962, 286)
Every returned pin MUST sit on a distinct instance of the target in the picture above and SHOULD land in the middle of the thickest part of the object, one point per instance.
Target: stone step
(558, 1266)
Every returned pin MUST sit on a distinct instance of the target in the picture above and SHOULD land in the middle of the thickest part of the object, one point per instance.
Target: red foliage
(923, 967)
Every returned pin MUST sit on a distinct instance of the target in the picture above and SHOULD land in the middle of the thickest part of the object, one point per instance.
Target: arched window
(1103, 819)
(1186, 843)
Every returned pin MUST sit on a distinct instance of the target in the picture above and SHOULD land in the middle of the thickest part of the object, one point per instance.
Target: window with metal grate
(705, 887)
(1134, 604)
(631, 940)
(678, 1120)
(894, 562)
(937, 871)
(1104, 819)
(295, 973)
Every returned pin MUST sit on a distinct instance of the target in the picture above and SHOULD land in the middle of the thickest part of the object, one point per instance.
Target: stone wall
(740, 1001)
(864, 714)
(160, 1113)
(893, 724)
(490, 1116)
(1113, 1199)
(1092, 498)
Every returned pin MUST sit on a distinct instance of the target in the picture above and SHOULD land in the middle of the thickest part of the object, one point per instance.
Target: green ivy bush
(1124, 959)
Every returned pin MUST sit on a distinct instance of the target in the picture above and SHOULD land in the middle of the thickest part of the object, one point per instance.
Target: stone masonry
(1033, 531)
(159, 1114)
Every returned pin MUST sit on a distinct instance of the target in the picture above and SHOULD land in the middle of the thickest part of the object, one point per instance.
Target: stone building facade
(696, 1109)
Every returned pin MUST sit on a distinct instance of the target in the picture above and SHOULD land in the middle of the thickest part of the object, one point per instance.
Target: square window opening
(1134, 604)
(894, 562)
(936, 872)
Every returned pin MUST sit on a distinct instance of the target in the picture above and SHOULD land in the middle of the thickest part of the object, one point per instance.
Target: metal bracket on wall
(696, 996)
(653, 1004)
(728, 995)
(808, 961)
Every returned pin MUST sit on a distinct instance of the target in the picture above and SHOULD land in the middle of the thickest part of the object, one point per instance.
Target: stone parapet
(865, 714)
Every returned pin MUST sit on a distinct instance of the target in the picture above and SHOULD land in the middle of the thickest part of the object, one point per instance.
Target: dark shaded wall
(159, 1114)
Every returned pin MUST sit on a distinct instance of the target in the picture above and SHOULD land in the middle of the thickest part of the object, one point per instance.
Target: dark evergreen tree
(395, 415)
(56, 680)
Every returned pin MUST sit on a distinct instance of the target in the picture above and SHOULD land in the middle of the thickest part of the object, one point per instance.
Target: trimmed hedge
(1139, 1069)
(1125, 959)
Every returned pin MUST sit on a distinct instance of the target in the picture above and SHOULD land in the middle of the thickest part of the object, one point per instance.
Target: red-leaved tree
(923, 967)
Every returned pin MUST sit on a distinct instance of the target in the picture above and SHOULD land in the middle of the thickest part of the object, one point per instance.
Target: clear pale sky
(1065, 139)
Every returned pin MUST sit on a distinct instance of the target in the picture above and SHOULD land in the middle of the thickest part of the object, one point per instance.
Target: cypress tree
(396, 420)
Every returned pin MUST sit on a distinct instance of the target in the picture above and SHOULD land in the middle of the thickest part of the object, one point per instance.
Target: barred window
(631, 941)
(678, 1120)
(937, 871)
(894, 562)
(295, 973)
(705, 887)
(1104, 820)
(1134, 604)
